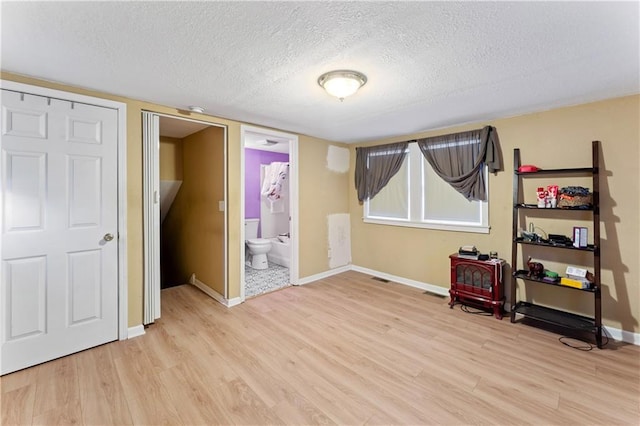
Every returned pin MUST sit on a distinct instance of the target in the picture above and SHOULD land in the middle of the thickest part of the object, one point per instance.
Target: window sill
(458, 227)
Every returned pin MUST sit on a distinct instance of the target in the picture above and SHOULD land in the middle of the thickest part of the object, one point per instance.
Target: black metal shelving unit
(557, 316)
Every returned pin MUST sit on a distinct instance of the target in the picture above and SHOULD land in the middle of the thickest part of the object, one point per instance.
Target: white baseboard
(431, 288)
(135, 331)
(233, 302)
(412, 283)
(321, 275)
(622, 335)
(214, 294)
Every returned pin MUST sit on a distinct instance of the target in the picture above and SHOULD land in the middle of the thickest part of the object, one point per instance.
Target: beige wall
(321, 192)
(552, 139)
(170, 158)
(193, 231)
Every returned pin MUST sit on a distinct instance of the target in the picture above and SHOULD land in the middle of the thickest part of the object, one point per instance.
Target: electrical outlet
(329, 253)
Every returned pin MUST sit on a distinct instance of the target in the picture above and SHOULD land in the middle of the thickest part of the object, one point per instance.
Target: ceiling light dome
(342, 83)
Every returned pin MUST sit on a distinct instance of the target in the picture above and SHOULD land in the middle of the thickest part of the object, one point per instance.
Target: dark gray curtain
(375, 166)
(458, 159)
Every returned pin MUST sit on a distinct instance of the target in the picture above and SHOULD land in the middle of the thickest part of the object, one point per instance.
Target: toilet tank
(251, 228)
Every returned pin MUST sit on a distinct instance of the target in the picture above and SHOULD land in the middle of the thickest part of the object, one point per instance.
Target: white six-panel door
(59, 277)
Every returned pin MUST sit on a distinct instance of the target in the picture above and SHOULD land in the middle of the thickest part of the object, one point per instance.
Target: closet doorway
(185, 229)
(269, 208)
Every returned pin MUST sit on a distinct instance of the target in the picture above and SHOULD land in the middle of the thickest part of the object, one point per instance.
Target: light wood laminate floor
(343, 350)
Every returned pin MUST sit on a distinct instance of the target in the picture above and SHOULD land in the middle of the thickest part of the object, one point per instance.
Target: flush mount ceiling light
(342, 83)
(197, 109)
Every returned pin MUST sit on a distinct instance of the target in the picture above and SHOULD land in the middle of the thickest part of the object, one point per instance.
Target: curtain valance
(458, 159)
(375, 166)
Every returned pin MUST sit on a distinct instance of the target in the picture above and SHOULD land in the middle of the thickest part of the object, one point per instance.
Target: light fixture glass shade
(342, 83)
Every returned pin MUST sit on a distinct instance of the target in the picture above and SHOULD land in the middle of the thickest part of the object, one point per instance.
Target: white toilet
(258, 247)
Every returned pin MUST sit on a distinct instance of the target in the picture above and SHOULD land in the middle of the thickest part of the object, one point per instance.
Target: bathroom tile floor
(259, 281)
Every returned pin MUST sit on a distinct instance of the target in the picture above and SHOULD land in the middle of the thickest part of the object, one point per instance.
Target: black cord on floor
(588, 346)
(467, 309)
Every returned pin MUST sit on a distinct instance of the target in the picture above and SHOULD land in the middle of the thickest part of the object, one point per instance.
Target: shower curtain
(275, 175)
(274, 205)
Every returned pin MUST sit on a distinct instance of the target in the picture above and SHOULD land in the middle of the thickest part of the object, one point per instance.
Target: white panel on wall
(24, 123)
(24, 190)
(339, 239)
(85, 286)
(338, 159)
(84, 191)
(25, 284)
(84, 131)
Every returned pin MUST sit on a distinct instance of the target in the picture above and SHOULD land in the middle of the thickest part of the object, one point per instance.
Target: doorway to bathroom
(270, 211)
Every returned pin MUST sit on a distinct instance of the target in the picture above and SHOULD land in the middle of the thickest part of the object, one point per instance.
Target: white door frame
(121, 108)
(293, 206)
(151, 222)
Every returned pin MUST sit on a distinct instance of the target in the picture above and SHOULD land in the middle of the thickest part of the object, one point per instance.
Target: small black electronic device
(561, 240)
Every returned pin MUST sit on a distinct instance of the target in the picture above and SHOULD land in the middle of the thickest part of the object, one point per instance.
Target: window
(417, 197)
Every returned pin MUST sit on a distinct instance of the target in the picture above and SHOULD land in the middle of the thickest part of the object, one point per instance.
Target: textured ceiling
(429, 64)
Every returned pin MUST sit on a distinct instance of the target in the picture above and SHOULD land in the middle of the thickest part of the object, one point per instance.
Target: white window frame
(416, 210)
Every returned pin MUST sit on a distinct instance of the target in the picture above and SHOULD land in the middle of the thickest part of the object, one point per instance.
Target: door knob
(108, 237)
